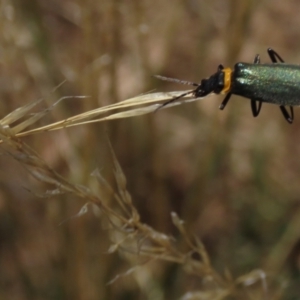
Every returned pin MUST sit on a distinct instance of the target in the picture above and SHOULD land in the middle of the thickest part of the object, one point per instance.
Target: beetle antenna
(176, 80)
(174, 99)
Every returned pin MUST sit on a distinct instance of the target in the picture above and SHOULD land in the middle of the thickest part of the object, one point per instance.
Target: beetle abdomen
(277, 83)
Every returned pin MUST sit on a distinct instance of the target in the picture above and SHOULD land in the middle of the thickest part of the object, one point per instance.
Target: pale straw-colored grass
(140, 105)
(127, 232)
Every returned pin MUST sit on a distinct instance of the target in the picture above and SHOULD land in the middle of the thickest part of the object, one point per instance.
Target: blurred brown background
(233, 179)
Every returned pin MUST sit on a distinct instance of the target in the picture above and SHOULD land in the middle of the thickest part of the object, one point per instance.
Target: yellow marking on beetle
(227, 80)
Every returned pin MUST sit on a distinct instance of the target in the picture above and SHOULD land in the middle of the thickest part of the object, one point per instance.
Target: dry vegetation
(186, 203)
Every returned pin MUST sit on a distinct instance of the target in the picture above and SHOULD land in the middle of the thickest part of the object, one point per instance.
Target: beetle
(276, 82)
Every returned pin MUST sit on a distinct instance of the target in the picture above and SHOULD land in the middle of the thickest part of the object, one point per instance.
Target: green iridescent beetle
(276, 82)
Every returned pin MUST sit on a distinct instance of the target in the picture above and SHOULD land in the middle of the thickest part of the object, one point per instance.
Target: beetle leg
(255, 109)
(287, 116)
(274, 56)
(225, 101)
(292, 112)
(256, 59)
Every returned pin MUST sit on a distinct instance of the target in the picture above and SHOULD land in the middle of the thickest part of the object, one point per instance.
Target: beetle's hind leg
(274, 56)
(254, 107)
(287, 116)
